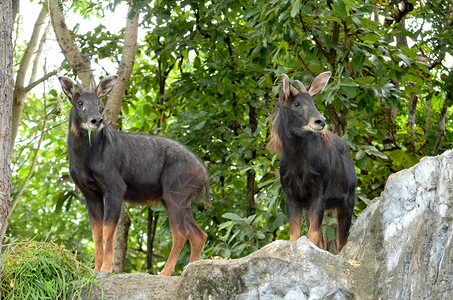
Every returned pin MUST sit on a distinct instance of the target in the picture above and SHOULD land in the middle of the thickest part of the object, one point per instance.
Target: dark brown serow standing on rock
(316, 168)
(112, 166)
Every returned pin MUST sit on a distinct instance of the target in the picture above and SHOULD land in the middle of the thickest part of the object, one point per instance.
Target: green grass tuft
(39, 270)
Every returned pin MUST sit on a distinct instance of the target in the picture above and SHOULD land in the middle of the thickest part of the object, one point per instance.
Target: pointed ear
(106, 85)
(302, 87)
(68, 87)
(287, 91)
(318, 85)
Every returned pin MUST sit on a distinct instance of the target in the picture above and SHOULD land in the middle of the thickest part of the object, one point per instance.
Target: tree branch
(41, 80)
(113, 106)
(19, 93)
(304, 65)
(79, 63)
(34, 70)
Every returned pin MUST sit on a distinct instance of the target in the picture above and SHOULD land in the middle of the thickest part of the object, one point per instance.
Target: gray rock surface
(400, 247)
(134, 286)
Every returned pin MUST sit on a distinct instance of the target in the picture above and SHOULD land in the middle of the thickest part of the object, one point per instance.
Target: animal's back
(153, 163)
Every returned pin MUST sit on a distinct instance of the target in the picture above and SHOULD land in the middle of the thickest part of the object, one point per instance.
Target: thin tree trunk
(120, 242)
(441, 127)
(412, 111)
(428, 116)
(113, 106)
(6, 103)
(153, 217)
(253, 123)
(19, 90)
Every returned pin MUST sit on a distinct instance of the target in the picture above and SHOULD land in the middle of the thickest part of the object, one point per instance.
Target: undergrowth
(41, 270)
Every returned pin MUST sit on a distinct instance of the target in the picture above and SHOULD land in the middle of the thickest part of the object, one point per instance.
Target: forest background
(207, 73)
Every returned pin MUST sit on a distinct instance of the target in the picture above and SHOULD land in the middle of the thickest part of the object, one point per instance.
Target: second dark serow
(316, 168)
(112, 166)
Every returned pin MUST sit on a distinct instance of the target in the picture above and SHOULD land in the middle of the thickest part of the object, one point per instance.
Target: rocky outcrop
(400, 247)
(403, 241)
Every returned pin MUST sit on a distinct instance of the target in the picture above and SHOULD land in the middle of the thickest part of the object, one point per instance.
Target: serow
(110, 166)
(316, 168)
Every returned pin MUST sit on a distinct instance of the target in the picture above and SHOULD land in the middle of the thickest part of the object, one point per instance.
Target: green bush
(39, 270)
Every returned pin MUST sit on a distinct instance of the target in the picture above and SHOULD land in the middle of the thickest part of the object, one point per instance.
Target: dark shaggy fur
(113, 166)
(316, 168)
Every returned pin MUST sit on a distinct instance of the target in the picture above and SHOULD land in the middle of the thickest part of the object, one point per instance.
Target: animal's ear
(68, 87)
(287, 91)
(318, 85)
(302, 87)
(106, 85)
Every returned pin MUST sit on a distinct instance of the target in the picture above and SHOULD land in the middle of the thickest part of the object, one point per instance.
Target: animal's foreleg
(294, 213)
(113, 203)
(315, 229)
(95, 209)
(96, 228)
(109, 233)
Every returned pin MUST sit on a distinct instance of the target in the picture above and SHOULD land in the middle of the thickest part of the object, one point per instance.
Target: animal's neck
(301, 145)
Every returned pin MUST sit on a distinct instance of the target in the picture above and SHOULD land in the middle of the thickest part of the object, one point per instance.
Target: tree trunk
(113, 106)
(253, 123)
(20, 93)
(441, 127)
(428, 116)
(6, 103)
(412, 112)
(120, 242)
(153, 217)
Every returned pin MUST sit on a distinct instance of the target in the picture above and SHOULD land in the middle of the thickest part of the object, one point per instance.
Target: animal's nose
(320, 121)
(97, 121)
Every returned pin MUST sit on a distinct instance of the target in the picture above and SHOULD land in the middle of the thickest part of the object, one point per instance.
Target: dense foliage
(207, 73)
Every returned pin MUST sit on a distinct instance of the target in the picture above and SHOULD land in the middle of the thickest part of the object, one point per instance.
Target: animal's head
(298, 109)
(86, 104)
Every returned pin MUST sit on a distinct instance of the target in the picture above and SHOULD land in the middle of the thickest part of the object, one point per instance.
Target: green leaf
(359, 154)
(232, 216)
(341, 9)
(295, 7)
(362, 163)
(404, 58)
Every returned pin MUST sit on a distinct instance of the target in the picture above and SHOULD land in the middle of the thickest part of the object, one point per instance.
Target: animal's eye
(296, 104)
(80, 103)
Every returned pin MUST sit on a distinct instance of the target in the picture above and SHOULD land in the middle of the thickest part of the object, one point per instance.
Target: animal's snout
(320, 122)
(97, 121)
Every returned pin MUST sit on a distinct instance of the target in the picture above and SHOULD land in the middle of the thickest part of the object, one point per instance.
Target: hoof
(102, 274)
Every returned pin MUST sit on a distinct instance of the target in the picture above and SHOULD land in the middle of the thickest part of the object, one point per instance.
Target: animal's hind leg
(197, 237)
(344, 216)
(174, 205)
(179, 237)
